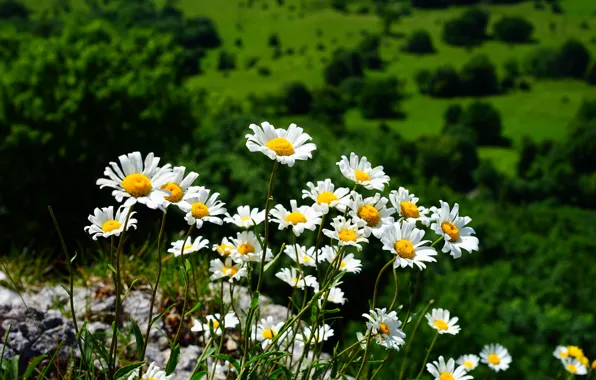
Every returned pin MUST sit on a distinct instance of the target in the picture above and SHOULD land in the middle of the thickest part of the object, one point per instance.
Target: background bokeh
(491, 104)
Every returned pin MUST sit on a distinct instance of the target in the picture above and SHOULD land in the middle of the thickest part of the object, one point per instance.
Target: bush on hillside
(344, 64)
(478, 77)
(419, 42)
(423, 79)
(273, 41)
(469, 29)
(226, 61)
(339, 5)
(581, 139)
(452, 114)
(542, 62)
(444, 83)
(13, 10)
(369, 50)
(264, 71)
(485, 121)
(351, 88)
(328, 106)
(573, 59)
(513, 29)
(298, 98)
(379, 98)
(591, 74)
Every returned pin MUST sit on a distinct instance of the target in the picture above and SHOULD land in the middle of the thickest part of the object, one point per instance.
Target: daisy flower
(404, 240)
(104, 223)
(405, 204)
(326, 196)
(153, 373)
(178, 185)
(594, 364)
(299, 218)
(190, 246)
(267, 330)
(447, 371)
(335, 295)
(469, 362)
(295, 279)
(227, 269)
(452, 227)
(361, 172)
(574, 366)
(301, 255)
(439, 320)
(246, 247)
(214, 322)
(372, 211)
(224, 249)
(561, 352)
(347, 232)
(575, 351)
(246, 218)
(285, 146)
(200, 208)
(135, 180)
(319, 334)
(384, 328)
(496, 356)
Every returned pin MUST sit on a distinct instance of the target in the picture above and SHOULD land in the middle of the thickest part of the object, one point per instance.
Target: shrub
(591, 74)
(573, 59)
(419, 42)
(199, 33)
(369, 44)
(273, 41)
(13, 10)
(479, 77)
(328, 106)
(351, 88)
(445, 82)
(238, 42)
(423, 80)
(226, 61)
(363, 10)
(264, 71)
(344, 64)
(453, 114)
(379, 98)
(251, 62)
(339, 5)
(513, 29)
(467, 30)
(542, 63)
(485, 121)
(298, 98)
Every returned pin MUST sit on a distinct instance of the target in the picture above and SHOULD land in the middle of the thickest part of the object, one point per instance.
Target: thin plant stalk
(427, 355)
(186, 291)
(409, 345)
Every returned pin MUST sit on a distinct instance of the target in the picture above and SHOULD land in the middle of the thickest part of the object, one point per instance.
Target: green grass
(503, 158)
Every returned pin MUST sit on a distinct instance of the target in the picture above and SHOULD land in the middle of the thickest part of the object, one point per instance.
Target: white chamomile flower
(200, 208)
(226, 270)
(574, 366)
(439, 320)
(347, 232)
(452, 227)
(246, 248)
(469, 362)
(299, 218)
(372, 211)
(293, 278)
(215, 322)
(561, 352)
(361, 172)
(3, 276)
(313, 335)
(447, 371)
(246, 218)
(135, 181)
(405, 205)
(285, 146)
(267, 330)
(335, 295)
(496, 356)
(326, 196)
(225, 248)
(404, 240)
(178, 185)
(301, 255)
(349, 264)
(384, 328)
(105, 224)
(190, 246)
(153, 373)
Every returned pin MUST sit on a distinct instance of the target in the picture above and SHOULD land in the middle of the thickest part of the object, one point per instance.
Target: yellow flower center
(199, 210)
(404, 249)
(564, 355)
(175, 189)
(571, 368)
(295, 280)
(306, 259)
(494, 359)
(342, 264)
(214, 323)
(575, 351)
(594, 364)
(137, 185)
(230, 271)
(468, 364)
(446, 376)
(361, 176)
(383, 328)
(246, 248)
(268, 334)
(245, 219)
(451, 230)
(224, 249)
(441, 325)
(187, 247)
(369, 214)
(347, 235)
(110, 226)
(326, 197)
(409, 210)
(145, 378)
(296, 217)
(280, 146)
(584, 360)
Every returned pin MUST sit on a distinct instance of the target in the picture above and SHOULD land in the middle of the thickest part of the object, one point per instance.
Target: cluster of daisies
(574, 360)
(397, 221)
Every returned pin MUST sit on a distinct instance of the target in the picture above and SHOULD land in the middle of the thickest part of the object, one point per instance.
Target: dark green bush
(419, 42)
(379, 98)
(573, 59)
(298, 98)
(485, 121)
(513, 29)
(328, 106)
(445, 83)
(344, 64)
(469, 29)
(226, 61)
(478, 77)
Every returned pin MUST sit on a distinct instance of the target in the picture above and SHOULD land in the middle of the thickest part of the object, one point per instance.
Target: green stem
(409, 346)
(379, 280)
(381, 366)
(427, 355)
(396, 288)
(267, 206)
(186, 291)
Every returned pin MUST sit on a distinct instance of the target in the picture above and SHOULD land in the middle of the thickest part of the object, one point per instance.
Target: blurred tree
(419, 42)
(513, 29)
(478, 77)
(298, 98)
(485, 121)
(469, 29)
(379, 98)
(344, 64)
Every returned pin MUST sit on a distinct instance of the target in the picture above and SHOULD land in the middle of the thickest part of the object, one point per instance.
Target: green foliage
(479, 77)
(379, 98)
(226, 61)
(570, 60)
(513, 29)
(328, 106)
(485, 121)
(298, 98)
(467, 30)
(419, 42)
(344, 64)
